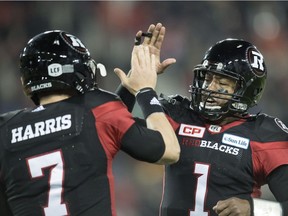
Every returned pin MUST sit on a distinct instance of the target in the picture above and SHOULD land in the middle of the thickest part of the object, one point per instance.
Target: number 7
(54, 162)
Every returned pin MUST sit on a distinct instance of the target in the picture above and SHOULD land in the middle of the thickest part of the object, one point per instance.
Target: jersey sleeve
(271, 151)
(112, 120)
(143, 144)
(278, 183)
(117, 129)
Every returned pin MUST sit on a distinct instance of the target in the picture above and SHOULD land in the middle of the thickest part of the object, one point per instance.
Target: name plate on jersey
(237, 141)
(36, 128)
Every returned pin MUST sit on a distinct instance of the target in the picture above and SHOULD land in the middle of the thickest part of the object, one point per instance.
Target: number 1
(201, 189)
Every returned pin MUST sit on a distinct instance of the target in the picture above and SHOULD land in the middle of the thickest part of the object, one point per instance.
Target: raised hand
(155, 43)
(143, 70)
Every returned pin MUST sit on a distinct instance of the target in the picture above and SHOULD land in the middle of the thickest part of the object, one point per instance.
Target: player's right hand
(232, 206)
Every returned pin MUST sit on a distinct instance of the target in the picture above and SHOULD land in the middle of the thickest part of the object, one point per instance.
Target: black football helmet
(56, 60)
(236, 59)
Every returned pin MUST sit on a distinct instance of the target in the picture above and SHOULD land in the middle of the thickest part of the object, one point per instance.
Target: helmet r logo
(256, 60)
(74, 42)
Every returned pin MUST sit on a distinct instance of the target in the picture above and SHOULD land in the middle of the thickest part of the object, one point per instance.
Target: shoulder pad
(7, 116)
(272, 123)
(99, 97)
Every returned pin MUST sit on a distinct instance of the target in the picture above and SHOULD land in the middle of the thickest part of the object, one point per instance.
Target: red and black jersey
(57, 159)
(219, 162)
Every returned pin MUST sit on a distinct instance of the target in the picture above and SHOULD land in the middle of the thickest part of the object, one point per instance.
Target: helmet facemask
(217, 104)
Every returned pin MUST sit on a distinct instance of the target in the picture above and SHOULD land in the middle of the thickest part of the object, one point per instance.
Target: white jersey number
(202, 170)
(54, 162)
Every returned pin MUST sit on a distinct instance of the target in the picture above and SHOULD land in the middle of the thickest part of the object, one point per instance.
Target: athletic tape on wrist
(148, 101)
(265, 207)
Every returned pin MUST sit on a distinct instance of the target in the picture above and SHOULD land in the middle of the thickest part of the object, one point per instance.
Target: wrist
(143, 90)
(126, 96)
(148, 101)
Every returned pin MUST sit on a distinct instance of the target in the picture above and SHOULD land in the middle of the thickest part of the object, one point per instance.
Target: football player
(56, 157)
(227, 153)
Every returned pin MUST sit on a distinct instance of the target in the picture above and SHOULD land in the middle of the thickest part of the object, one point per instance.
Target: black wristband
(148, 101)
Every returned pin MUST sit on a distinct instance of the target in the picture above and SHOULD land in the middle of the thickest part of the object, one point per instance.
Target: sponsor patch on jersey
(237, 141)
(191, 130)
(281, 125)
(214, 128)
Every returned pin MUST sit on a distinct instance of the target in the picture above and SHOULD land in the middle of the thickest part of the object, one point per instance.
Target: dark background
(107, 28)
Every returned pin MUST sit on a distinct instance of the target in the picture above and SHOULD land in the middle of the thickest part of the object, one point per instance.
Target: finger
(147, 56)
(160, 38)
(138, 38)
(165, 64)
(225, 212)
(222, 208)
(136, 59)
(156, 32)
(168, 62)
(139, 33)
(151, 30)
(153, 62)
(215, 208)
(120, 73)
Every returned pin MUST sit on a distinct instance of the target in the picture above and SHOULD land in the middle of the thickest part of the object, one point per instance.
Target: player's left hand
(155, 43)
(232, 207)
